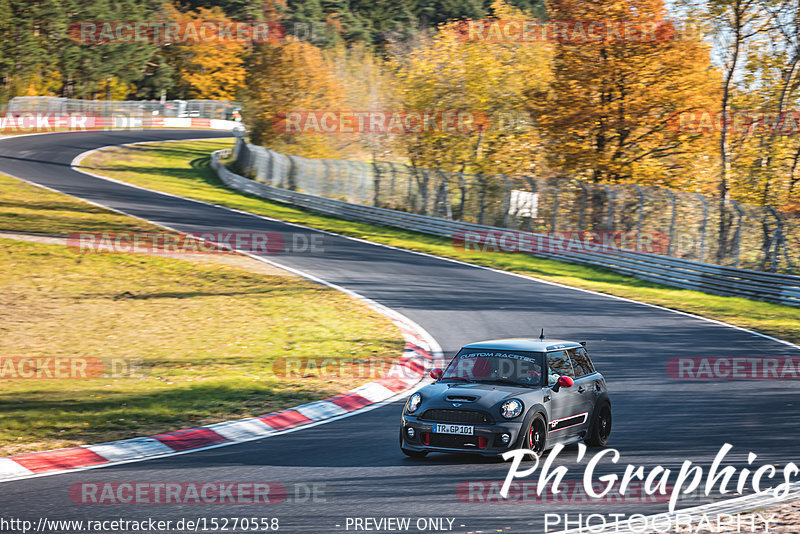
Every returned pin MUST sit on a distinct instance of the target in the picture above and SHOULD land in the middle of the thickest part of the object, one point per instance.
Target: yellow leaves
(285, 77)
(447, 72)
(606, 113)
(211, 69)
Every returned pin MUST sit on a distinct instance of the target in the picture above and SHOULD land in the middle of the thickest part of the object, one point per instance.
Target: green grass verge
(26, 208)
(202, 334)
(183, 169)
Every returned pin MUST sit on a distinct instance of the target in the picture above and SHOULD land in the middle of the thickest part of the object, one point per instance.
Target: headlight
(511, 409)
(413, 403)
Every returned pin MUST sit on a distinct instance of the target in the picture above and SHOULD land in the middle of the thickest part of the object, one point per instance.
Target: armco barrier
(729, 281)
(46, 123)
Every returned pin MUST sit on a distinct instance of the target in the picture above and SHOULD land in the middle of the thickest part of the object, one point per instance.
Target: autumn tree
(285, 77)
(609, 110)
(367, 84)
(206, 68)
(486, 78)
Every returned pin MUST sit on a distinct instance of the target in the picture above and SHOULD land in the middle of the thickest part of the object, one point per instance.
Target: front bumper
(486, 439)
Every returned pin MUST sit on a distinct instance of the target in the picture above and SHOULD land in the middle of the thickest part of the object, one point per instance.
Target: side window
(581, 362)
(558, 364)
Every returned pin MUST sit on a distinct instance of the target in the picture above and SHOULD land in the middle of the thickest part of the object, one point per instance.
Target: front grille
(453, 441)
(467, 417)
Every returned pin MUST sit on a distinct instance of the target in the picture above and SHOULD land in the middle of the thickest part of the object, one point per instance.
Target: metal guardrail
(199, 109)
(715, 279)
(685, 225)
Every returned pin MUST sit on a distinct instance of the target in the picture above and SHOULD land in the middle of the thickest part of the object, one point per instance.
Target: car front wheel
(536, 436)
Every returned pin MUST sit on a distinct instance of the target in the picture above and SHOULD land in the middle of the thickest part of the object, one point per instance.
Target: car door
(567, 414)
(584, 384)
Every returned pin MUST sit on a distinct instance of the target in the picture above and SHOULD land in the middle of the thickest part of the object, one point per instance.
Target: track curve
(656, 420)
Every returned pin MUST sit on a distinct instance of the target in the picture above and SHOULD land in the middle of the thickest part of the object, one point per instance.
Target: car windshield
(502, 366)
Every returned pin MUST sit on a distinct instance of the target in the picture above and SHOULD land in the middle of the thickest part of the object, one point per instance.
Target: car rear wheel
(600, 430)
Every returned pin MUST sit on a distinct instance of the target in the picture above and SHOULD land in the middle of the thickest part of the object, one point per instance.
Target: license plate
(463, 430)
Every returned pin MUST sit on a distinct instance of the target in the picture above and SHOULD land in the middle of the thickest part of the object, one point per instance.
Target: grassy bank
(181, 342)
(182, 168)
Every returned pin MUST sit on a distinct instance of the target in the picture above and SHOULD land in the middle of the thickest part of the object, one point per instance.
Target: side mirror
(436, 373)
(566, 382)
(563, 382)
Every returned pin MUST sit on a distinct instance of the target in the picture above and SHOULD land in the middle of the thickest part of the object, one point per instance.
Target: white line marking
(129, 449)
(10, 468)
(242, 429)
(320, 410)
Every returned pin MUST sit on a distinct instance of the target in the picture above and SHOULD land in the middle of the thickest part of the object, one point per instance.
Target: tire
(535, 436)
(600, 429)
(411, 454)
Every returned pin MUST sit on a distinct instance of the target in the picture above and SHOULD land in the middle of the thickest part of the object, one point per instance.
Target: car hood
(478, 396)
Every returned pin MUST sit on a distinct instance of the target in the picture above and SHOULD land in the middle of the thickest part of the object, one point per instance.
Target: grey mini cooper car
(507, 394)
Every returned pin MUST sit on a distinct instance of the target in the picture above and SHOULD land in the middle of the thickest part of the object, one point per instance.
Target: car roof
(525, 344)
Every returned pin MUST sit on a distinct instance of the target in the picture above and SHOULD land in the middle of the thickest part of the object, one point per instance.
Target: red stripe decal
(193, 438)
(287, 419)
(42, 462)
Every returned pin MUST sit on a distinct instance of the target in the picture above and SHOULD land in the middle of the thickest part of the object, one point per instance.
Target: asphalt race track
(657, 420)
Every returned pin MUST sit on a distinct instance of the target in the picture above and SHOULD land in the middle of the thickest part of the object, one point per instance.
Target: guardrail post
(639, 215)
(703, 227)
(462, 203)
(737, 237)
(376, 183)
(506, 200)
(443, 197)
(240, 143)
(326, 180)
(411, 200)
(423, 186)
(554, 222)
(481, 196)
(532, 183)
(610, 197)
(291, 175)
(777, 244)
(582, 209)
(673, 218)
